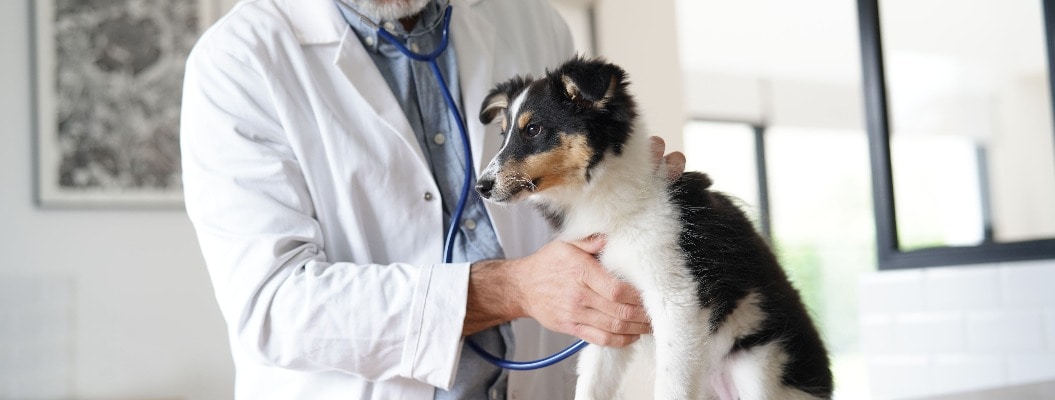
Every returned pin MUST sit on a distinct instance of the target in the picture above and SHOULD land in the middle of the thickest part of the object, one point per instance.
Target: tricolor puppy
(727, 323)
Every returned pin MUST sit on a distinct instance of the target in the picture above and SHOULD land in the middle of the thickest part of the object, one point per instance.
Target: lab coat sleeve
(285, 303)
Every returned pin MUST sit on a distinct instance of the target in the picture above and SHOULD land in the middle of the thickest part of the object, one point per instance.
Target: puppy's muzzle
(484, 186)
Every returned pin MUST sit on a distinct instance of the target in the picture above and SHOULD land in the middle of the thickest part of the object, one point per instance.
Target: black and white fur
(727, 323)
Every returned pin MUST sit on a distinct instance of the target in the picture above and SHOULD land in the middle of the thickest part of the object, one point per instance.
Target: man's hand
(564, 287)
(674, 162)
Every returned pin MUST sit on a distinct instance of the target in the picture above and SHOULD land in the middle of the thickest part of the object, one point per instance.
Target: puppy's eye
(532, 130)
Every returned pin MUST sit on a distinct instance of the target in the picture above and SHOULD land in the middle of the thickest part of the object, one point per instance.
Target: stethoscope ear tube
(452, 232)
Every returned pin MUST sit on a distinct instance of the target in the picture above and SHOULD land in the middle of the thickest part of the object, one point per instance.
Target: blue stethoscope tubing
(448, 249)
(430, 58)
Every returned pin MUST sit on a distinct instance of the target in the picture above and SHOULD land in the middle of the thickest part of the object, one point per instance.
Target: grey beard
(388, 10)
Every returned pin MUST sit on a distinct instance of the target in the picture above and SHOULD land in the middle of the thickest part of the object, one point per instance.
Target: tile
(891, 291)
(962, 288)
(1029, 368)
(1005, 332)
(36, 357)
(930, 333)
(895, 377)
(877, 335)
(951, 374)
(1028, 284)
(1049, 329)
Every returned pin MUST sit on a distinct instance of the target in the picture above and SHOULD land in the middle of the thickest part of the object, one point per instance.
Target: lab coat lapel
(473, 39)
(356, 65)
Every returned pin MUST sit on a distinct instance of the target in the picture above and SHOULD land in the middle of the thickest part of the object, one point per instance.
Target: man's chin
(388, 10)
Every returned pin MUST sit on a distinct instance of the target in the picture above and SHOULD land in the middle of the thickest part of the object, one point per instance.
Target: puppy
(726, 322)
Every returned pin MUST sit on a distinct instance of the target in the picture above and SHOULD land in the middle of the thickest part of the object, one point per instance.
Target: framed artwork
(109, 77)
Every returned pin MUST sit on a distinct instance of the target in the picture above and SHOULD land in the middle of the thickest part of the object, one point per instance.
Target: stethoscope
(448, 248)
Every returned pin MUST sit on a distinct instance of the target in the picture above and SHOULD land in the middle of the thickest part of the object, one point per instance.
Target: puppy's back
(729, 260)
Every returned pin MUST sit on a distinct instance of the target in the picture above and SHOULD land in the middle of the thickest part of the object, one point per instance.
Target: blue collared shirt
(418, 93)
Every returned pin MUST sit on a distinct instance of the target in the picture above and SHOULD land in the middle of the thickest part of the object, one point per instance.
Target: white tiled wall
(36, 339)
(954, 329)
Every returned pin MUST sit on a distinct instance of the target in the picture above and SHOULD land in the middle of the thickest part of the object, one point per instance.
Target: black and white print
(110, 74)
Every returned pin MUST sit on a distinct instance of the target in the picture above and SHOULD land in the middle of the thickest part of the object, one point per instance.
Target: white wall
(642, 37)
(109, 304)
(957, 329)
(779, 63)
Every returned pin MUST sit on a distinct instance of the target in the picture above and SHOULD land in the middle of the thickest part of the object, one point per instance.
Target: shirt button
(439, 139)
(389, 26)
(369, 40)
(494, 394)
(414, 47)
(428, 196)
(469, 224)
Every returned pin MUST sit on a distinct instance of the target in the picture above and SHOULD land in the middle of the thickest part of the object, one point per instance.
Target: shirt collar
(429, 24)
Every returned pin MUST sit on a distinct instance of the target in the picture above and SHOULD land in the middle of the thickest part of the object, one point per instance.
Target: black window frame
(889, 253)
(758, 132)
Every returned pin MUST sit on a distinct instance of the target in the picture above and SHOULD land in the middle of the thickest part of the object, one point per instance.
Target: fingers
(600, 337)
(566, 289)
(592, 244)
(674, 162)
(657, 147)
(630, 310)
(609, 287)
(675, 165)
(602, 328)
(613, 297)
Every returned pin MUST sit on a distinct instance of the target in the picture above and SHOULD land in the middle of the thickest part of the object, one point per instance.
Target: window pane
(968, 78)
(726, 152)
(823, 232)
(938, 184)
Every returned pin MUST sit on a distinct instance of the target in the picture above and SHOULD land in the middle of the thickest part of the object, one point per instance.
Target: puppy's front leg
(601, 371)
(679, 357)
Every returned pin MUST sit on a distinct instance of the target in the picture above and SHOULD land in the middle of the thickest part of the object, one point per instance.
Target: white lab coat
(316, 212)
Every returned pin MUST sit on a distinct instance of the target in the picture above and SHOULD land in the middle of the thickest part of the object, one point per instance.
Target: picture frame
(108, 82)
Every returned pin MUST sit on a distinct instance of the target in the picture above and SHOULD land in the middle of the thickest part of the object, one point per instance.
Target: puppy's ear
(590, 83)
(498, 100)
(495, 102)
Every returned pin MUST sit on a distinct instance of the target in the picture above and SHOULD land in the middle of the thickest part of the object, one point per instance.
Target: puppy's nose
(484, 186)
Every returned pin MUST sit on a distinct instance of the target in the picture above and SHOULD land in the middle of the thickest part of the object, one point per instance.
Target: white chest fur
(627, 200)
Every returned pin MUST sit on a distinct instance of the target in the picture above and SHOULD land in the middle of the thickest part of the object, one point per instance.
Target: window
(812, 186)
(960, 120)
(729, 152)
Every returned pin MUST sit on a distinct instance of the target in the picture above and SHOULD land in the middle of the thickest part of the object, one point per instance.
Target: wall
(956, 329)
(649, 53)
(95, 303)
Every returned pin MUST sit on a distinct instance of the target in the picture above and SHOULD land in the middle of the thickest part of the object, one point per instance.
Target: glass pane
(972, 146)
(726, 152)
(823, 232)
(939, 184)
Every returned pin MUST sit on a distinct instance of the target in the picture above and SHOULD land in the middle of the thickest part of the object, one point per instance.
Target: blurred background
(107, 297)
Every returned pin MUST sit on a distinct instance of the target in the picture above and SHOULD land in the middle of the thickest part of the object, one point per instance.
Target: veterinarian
(320, 169)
